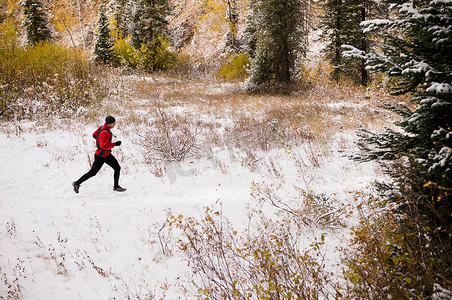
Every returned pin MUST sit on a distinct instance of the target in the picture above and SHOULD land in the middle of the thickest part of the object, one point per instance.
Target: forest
(272, 149)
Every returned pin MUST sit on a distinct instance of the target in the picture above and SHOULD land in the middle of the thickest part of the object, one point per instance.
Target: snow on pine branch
(416, 67)
(374, 61)
(350, 51)
(442, 159)
(441, 2)
(440, 88)
(375, 24)
(408, 8)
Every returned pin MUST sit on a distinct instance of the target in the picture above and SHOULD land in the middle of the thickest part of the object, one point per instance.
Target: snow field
(99, 244)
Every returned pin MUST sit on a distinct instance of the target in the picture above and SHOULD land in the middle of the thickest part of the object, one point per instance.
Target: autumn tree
(63, 19)
(10, 10)
(76, 18)
(84, 12)
(223, 17)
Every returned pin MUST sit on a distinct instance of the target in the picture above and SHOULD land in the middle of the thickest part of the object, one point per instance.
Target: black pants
(98, 163)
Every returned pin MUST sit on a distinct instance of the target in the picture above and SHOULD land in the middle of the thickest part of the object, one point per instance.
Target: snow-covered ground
(100, 244)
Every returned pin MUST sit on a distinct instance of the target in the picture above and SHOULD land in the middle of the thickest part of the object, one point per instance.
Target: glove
(118, 143)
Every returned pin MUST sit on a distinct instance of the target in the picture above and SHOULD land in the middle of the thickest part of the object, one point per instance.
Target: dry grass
(189, 118)
(311, 114)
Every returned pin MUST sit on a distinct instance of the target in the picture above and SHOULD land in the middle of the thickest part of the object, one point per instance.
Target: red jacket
(104, 140)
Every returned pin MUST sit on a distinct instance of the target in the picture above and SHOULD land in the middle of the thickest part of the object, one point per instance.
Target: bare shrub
(265, 264)
(170, 138)
(54, 256)
(273, 167)
(11, 228)
(157, 168)
(307, 162)
(255, 138)
(251, 135)
(309, 209)
(11, 286)
(164, 233)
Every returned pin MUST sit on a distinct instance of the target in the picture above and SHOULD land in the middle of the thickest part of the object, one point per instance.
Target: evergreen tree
(149, 22)
(103, 47)
(251, 32)
(332, 24)
(122, 12)
(341, 24)
(418, 157)
(275, 31)
(356, 12)
(35, 21)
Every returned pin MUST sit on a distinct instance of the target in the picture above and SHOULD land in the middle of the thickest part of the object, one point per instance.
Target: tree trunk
(70, 33)
(364, 74)
(338, 51)
(80, 18)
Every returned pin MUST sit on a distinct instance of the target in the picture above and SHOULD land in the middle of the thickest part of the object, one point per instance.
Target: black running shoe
(119, 189)
(76, 187)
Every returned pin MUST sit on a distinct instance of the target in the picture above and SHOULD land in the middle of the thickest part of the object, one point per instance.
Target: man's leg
(112, 162)
(98, 162)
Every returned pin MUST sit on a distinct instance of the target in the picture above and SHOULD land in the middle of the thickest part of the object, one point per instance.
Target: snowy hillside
(100, 244)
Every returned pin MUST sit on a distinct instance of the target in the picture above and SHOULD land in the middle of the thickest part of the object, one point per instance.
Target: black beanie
(109, 120)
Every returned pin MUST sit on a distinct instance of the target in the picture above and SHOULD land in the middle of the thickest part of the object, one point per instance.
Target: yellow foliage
(125, 54)
(63, 17)
(60, 79)
(236, 69)
(13, 7)
(215, 14)
(8, 34)
(315, 72)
